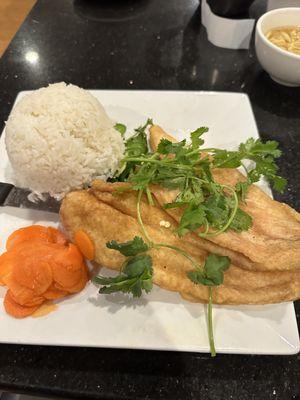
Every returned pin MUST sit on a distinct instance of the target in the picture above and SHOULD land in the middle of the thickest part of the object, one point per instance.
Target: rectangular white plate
(160, 320)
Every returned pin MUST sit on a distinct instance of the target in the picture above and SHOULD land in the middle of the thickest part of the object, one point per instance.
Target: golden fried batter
(265, 259)
(273, 241)
(106, 216)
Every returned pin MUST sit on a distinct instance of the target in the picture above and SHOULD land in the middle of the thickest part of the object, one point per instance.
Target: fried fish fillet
(273, 241)
(106, 216)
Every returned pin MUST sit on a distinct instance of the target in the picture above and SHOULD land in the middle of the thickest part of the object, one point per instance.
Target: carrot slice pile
(35, 233)
(15, 309)
(5, 266)
(85, 244)
(39, 265)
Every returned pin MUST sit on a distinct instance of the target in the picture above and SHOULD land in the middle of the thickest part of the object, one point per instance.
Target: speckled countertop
(146, 44)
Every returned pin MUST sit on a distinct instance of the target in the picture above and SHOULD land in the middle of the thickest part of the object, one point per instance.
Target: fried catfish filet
(105, 216)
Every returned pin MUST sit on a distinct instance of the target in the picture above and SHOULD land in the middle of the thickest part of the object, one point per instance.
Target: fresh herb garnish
(136, 273)
(121, 128)
(262, 154)
(209, 207)
(212, 274)
(135, 146)
(130, 248)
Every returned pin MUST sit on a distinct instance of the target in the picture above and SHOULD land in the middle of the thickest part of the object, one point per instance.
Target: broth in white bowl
(282, 64)
(286, 37)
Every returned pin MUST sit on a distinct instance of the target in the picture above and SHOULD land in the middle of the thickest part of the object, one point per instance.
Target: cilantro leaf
(102, 280)
(143, 176)
(120, 128)
(174, 183)
(170, 178)
(213, 271)
(263, 155)
(196, 137)
(205, 169)
(130, 248)
(217, 210)
(185, 196)
(253, 147)
(136, 277)
(227, 159)
(165, 146)
(192, 218)
(175, 204)
(135, 146)
(279, 183)
(241, 189)
(211, 275)
(205, 202)
(241, 222)
(137, 265)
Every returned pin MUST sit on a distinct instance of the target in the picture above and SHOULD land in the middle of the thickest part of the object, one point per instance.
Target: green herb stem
(186, 255)
(209, 149)
(231, 218)
(179, 250)
(149, 196)
(235, 208)
(210, 324)
(157, 245)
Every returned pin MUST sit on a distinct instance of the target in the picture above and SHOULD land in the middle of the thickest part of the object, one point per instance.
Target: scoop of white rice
(60, 138)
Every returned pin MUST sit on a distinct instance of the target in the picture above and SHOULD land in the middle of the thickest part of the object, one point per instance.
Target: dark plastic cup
(229, 8)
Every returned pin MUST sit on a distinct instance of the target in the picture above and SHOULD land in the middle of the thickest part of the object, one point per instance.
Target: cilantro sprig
(262, 154)
(121, 128)
(135, 146)
(136, 273)
(209, 207)
(211, 275)
(130, 248)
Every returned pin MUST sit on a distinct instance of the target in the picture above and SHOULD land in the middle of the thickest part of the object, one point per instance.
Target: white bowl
(283, 66)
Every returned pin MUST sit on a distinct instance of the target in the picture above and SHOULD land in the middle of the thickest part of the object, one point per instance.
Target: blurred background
(12, 14)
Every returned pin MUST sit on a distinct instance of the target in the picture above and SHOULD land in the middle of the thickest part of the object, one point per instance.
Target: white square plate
(160, 320)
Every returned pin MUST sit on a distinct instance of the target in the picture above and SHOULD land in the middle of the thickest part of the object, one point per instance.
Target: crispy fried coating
(265, 259)
(273, 241)
(105, 215)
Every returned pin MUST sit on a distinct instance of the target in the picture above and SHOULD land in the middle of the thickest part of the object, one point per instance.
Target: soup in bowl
(277, 44)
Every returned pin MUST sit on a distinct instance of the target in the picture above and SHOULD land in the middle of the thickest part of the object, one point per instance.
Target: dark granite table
(146, 44)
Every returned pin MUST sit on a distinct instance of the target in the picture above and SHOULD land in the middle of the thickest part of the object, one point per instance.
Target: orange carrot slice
(33, 273)
(41, 265)
(67, 267)
(6, 264)
(22, 295)
(53, 293)
(35, 233)
(15, 309)
(85, 244)
(78, 286)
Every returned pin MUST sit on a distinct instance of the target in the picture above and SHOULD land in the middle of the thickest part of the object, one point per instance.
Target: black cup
(229, 8)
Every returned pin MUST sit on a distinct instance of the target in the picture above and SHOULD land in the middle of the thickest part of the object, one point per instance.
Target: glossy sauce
(45, 309)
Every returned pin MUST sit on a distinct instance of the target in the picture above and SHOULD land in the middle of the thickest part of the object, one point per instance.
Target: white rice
(60, 138)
